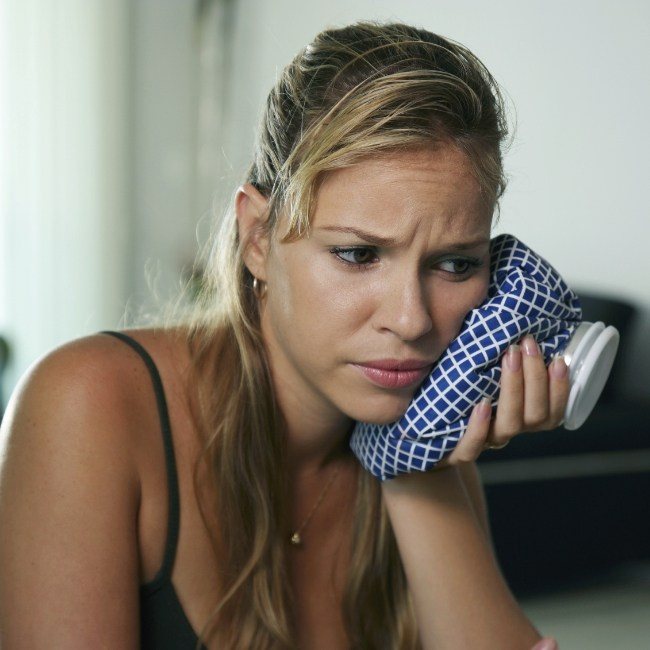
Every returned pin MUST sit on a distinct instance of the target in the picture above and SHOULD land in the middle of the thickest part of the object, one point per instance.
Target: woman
(360, 234)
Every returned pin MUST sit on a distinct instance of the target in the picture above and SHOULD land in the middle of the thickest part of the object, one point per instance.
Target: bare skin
(127, 452)
(319, 319)
(319, 315)
(83, 424)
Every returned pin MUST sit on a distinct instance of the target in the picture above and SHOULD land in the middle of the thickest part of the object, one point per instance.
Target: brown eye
(357, 256)
(362, 255)
(462, 267)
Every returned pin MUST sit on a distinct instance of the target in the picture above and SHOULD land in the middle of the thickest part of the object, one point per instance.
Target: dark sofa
(566, 505)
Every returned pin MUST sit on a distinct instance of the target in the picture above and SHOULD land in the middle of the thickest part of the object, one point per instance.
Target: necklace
(296, 539)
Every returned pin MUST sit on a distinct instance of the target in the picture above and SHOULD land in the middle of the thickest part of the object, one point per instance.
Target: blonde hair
(354, 92)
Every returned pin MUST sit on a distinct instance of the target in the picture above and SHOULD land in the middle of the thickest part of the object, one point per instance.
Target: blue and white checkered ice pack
(525, 295)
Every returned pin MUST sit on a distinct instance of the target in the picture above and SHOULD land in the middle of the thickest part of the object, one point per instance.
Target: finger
(508, 421)
(559, 389)
(478, 429)
(536, 389)
(471, 445)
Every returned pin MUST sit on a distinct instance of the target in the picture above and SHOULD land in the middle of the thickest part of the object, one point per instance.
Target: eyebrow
(390, 241)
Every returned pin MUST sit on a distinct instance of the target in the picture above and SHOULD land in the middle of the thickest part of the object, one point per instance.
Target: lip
(393, 378)
(397, 364)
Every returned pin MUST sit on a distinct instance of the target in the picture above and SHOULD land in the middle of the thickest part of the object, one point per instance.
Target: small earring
(259, 292)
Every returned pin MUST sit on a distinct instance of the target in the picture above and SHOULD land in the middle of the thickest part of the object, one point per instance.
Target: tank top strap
(164, 573)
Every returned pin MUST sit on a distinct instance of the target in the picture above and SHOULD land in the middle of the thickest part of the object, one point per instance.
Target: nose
(404, 308)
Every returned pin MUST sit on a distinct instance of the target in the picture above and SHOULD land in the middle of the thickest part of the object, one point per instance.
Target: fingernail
(546, 644)
(530, 346)
(484, 408)
(559, 368)
(514, 357)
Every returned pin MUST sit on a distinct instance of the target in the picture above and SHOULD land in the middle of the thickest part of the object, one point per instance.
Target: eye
(465, 265)
(359, 256)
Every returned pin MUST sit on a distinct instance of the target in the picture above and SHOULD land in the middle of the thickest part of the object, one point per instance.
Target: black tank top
(163, 623)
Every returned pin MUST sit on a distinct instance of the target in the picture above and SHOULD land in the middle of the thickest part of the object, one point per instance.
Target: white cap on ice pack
(589, 355)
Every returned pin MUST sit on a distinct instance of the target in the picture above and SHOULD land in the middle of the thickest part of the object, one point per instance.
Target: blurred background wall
(126, 125)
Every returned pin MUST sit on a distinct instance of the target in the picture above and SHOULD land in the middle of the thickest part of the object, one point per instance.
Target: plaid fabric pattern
(526, 295)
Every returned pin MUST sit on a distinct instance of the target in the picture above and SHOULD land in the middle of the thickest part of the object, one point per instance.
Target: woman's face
(336, 298)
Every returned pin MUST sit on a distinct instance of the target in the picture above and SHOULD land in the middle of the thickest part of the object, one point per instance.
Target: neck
(312, 449)
(316, 433)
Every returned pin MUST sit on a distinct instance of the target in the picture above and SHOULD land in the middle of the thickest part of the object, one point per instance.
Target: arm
(474, 488)
(68, 510)
(460, 598)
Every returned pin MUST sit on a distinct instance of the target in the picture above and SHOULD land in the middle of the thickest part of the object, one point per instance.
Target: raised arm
(474, 488)
(68, 509)
(461, 599)
(440, 523)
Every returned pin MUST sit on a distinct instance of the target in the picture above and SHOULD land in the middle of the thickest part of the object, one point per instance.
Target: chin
(381, 410)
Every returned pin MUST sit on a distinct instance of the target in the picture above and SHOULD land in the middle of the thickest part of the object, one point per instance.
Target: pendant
(296, 539)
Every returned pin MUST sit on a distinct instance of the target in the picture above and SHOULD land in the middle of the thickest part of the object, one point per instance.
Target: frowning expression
(397, 254)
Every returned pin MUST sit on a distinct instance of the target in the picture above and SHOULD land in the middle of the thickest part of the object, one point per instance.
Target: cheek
(310, 301)
(456, 304)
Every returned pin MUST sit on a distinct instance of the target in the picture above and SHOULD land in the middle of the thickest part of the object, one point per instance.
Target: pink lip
(393, 378)
(397, 364)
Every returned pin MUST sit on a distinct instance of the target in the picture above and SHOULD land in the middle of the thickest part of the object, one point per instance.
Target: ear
(251, 209)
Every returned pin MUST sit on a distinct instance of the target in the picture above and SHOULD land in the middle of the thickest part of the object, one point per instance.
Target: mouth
(393, 378)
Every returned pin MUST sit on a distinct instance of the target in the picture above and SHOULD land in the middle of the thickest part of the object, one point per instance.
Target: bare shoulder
(97, 377)
(81, 380)
(69, 498)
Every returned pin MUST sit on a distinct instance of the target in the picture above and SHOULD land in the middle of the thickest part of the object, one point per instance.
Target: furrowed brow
(465, 245)
(389, 241)
(367, 236)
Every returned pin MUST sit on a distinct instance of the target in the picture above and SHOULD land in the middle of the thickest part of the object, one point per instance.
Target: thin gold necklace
(296, 539)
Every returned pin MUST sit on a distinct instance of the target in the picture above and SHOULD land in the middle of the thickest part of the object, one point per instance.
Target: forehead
(436, 187)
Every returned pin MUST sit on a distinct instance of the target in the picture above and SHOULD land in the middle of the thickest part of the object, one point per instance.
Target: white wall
(64, 204)
(103, 152)
(164, 68)
(98, 197)
(577, 75)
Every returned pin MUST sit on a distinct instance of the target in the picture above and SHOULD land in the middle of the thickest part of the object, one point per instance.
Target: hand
(532, 398)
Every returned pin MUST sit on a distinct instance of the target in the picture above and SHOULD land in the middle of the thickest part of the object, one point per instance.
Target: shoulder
(91, 390)
(83, 376)
(70, 491)
(100, 368)
(72, 397)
